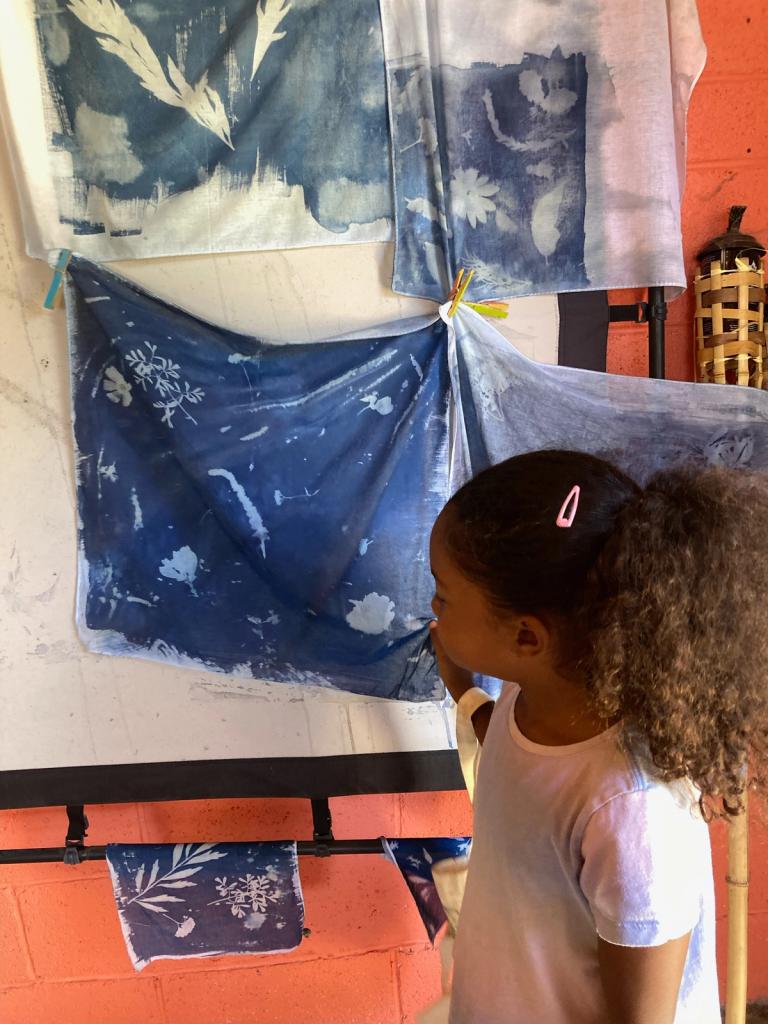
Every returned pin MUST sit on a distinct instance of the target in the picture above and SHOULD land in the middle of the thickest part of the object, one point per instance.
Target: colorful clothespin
(58, 275)
(500, 310)
(455, 285)
(460, 285)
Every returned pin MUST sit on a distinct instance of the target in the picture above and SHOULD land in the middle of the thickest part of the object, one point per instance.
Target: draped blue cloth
(265, 510)
(204, 899)
(415, 859)
(257, 509)
(508, 405)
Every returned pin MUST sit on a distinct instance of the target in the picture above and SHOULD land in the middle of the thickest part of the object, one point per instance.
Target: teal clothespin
(58, 275)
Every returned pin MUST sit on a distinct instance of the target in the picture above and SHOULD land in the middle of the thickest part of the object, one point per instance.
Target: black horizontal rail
(322, 844)
(54, 854)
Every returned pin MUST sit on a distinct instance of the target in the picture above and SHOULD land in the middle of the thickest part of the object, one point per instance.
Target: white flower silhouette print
(117, 388)
(470, 192)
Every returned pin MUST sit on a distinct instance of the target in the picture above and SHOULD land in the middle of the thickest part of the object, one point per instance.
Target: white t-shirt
(572, 842)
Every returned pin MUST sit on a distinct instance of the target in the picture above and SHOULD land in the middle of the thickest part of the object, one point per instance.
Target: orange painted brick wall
(62, 957)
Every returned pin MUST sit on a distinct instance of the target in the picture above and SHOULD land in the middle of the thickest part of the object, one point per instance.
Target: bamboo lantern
(730, 303)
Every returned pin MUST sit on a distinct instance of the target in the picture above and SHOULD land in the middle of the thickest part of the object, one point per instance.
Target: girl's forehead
(437, 547)
(441, 560)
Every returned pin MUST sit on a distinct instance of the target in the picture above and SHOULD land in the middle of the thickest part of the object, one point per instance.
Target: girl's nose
(435, 606)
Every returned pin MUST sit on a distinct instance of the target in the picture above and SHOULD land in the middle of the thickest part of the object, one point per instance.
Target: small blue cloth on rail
(257, 509)
(415, 859)
(206, 899)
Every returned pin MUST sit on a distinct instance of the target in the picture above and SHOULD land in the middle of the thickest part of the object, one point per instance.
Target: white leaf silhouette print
(185, 927)
(269, 15)
(118, 35)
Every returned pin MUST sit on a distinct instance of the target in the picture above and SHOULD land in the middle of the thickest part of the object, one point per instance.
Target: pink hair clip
(573, 501)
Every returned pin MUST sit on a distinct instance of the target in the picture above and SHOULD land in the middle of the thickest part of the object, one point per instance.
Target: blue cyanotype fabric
(205, 899)
(416, 858)
(188, 126)
(515, 142)
(509, 405)
(262, 510)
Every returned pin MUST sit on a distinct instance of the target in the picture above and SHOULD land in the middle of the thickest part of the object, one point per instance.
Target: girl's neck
(556, 712)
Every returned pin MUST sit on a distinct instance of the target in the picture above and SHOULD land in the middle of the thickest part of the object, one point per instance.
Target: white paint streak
(98, 298)
(138, 518)
(336, 384)
(254, 519)
(255, 434)
(280, 497)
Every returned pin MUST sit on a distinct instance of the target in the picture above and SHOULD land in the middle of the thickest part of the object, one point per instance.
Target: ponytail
(678, 603)
(658, 597)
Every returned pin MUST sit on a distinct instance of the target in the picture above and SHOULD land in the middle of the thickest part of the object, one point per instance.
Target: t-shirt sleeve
(645, 863)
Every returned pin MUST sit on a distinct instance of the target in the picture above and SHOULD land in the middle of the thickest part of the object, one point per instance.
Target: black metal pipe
(305, 849)
(657, 314)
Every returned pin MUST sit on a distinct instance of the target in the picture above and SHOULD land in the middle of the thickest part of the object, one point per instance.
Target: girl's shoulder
(633, 787)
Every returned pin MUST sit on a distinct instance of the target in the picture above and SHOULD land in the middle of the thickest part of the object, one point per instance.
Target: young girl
(632, 622)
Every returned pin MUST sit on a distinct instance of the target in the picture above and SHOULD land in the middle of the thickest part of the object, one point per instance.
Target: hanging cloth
(261, 510)
(143, 130)
(206, 899)
(541, 145)
(508, 405)
(418, 860)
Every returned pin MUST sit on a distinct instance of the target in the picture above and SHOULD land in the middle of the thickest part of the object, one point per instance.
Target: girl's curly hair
(658, 597)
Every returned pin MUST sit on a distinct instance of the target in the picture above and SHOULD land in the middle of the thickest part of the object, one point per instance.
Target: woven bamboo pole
(738, 898)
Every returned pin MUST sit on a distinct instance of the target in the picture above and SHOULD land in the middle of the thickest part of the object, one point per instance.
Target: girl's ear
(531, 637)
